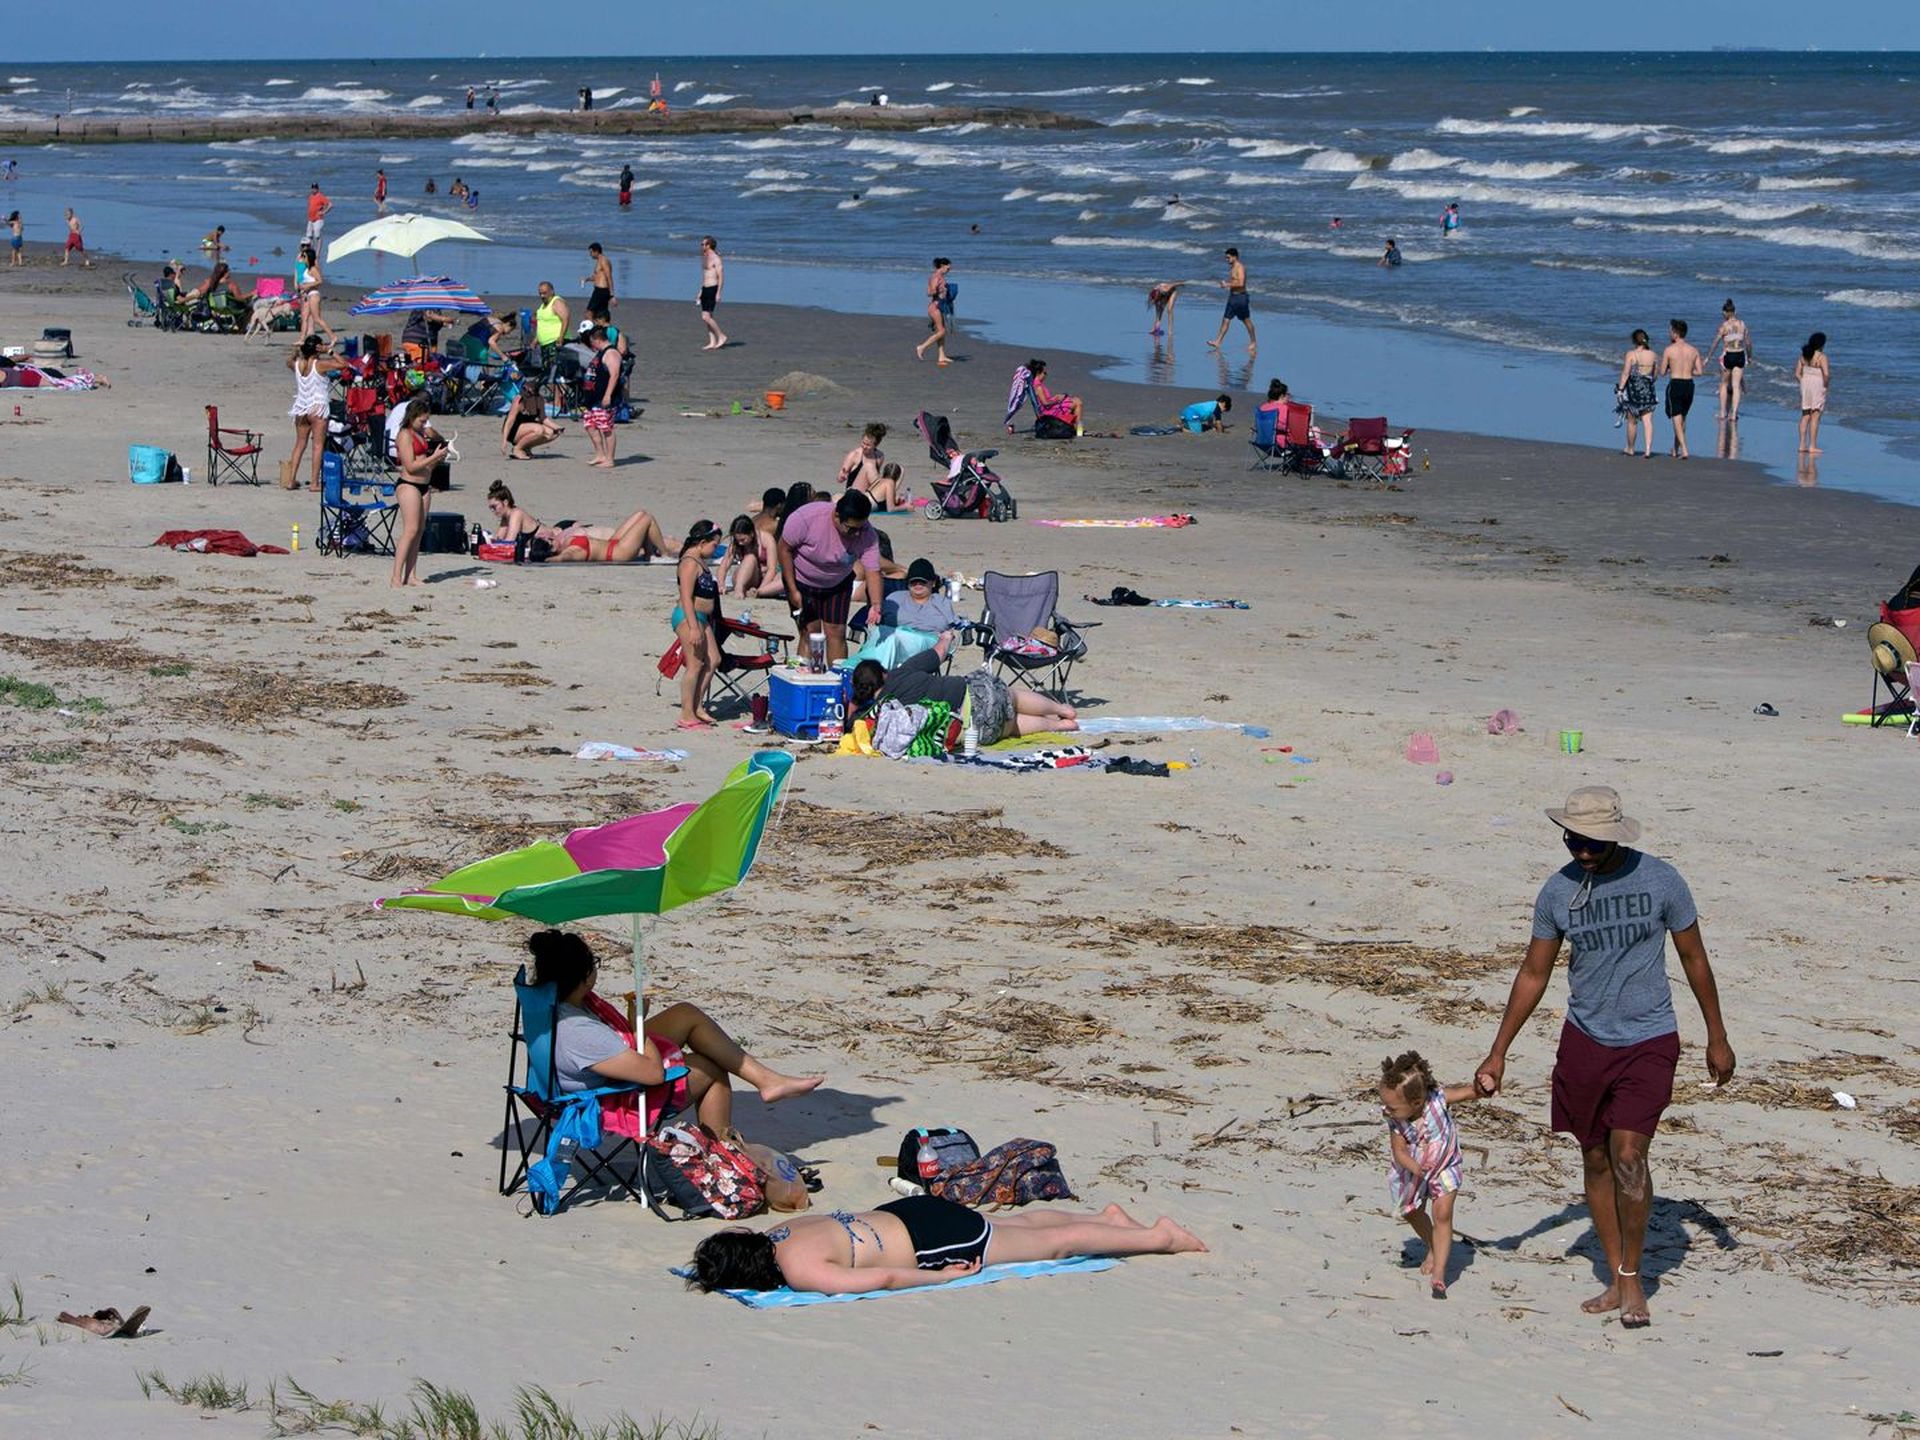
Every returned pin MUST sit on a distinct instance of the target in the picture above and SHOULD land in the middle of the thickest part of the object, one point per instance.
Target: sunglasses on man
(1585, 844)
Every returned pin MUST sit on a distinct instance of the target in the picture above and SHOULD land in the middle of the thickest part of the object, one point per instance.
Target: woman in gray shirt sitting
(922, 606)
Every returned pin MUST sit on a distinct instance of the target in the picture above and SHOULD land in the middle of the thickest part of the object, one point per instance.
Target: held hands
(1493, 1069)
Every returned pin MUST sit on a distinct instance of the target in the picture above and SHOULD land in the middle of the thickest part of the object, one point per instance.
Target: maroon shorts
(1597, 1088)
(829, 606)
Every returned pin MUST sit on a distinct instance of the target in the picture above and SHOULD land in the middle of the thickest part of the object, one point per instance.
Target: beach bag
(150, 465)
(952, 1147)
(692, 1169)
(789, 1184)
(1052, 427)
(1016, 1173)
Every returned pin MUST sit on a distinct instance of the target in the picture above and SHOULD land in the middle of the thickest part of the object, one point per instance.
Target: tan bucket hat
(1594, 811)
(1892, 652)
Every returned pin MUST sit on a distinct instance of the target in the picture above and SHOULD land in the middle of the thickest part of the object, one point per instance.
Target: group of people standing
(1682, 365)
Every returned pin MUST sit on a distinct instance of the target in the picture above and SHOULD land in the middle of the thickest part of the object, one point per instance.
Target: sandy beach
(246, 1098)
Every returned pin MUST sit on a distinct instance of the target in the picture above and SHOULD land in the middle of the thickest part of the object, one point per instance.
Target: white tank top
(309, 389)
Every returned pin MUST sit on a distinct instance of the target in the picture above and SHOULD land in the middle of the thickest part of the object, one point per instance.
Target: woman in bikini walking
(1736, 349)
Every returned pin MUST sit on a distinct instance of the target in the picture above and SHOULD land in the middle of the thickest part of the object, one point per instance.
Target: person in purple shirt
(820, 545)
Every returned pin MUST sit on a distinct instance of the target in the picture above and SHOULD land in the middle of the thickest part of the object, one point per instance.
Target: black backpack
(1052, 427)
(950, 1147)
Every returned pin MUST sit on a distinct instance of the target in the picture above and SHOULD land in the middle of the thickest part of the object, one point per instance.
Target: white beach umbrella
(405, 235)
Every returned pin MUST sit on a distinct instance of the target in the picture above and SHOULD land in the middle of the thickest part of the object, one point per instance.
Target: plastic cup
(759, 708)
(817, 653)
(1570, 741)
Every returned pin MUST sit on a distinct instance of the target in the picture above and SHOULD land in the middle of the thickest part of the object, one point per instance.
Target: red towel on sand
(216, 542)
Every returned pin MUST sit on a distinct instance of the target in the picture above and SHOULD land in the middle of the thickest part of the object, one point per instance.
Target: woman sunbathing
(587, 1052)
(997, 709)
(921, 1240)
(637, 537)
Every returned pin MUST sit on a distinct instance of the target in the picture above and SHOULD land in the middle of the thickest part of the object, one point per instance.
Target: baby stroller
(971, 488)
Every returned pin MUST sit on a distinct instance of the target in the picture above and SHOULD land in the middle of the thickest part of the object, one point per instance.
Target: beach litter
(108, 1324)
(608, 750)
(1421, 750)
(1845, 1101)
(1765, 709)
(1503, 722)
(1445, 777)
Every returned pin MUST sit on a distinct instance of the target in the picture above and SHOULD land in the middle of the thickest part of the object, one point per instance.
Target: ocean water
(1598, 193)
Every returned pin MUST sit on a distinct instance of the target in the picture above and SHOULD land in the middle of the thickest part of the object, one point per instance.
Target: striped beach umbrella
(423, 292)
(643, 865)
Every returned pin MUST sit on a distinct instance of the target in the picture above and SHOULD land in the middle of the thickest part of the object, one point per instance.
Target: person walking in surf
(1238, 306)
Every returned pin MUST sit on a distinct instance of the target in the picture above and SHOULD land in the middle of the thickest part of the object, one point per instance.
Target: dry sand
(242, 1096)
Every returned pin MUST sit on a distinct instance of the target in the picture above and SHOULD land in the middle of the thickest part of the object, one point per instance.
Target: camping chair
(241, 461)
(355, 513)
(1265, 442)
(1017, 607)
(535, 1013)
(145, 312)
(740, 675)
(1369, 453)
(1893, 659)
(365, 433)
(1299, 455)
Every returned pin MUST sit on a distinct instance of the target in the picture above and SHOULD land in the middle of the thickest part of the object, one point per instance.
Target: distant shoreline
(130, 130)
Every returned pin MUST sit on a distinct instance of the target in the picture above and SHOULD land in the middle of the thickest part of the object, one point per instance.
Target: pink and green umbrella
(643, 865)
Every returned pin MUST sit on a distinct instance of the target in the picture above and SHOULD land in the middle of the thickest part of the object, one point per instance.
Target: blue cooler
(798, 700)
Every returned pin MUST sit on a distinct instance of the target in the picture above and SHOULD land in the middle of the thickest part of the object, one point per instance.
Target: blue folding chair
(1268, 452)
(356, 513)
(567, 1122)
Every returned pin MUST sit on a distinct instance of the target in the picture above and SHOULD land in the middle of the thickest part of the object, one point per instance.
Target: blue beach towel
(788, 1299)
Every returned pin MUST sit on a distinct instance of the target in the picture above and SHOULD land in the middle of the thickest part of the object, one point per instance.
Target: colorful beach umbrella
(403, 235)
(423, 292)
(643, 865)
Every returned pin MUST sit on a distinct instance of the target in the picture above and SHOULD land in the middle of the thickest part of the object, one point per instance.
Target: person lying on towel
(921, 1240)
(994, 708)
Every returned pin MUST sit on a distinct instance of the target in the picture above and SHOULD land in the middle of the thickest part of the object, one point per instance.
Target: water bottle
(1193, 759)
(294, 541)
(970, 741)
(1425, 462)
(564, 1150)
(746, 617)
(926, 1161)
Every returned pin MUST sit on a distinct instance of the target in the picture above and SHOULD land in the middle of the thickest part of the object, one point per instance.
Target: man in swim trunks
(600, 302)
(921, 1240)
(596, 393)
(1613, 1076)
(712, 277)
(317, 207)
(75, 242)
(1238, 306)
(821, 544)
(1682, 365)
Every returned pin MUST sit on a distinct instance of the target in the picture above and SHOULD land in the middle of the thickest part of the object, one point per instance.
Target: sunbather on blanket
(921, 1240)
(995, 709)
(587, 1052)
(637, 537)
(26, 375)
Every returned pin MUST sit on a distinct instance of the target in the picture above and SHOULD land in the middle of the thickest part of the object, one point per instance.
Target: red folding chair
(241, 461)
(740, 675)
(1300, 456)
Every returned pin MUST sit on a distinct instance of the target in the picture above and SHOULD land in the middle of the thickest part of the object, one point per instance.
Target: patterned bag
(1011, 1174)
(701, 1174)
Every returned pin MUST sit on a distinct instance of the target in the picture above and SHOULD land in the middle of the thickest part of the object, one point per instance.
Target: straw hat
(1594, 811)
(1892, 652)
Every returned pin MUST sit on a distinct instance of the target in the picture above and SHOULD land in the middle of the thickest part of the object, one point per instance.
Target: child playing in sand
(1426, 1155)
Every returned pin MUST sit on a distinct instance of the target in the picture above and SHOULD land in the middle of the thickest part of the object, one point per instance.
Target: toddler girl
(1426, 1155)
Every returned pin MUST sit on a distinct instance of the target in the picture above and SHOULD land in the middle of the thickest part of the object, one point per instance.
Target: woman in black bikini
(921, 1240)
(1736, 349)
(527, 425)
(416, 456)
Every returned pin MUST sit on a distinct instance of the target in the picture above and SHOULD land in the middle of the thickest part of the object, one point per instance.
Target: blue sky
(123, 29)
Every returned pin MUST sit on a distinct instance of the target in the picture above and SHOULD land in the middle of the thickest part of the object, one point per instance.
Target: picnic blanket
(784, 1299)
(1143, 522)
(1202, 605)
(216, 542)
(607, 750)
(1163, 724)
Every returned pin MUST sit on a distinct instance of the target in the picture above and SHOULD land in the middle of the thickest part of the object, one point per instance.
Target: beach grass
(13, 1306)
(433, 1412)
(31, 695)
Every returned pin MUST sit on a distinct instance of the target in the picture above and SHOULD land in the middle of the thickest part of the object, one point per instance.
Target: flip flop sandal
(109, 1324)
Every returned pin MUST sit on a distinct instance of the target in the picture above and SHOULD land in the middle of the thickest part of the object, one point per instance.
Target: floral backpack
(1011, 1174)
(691, 1168)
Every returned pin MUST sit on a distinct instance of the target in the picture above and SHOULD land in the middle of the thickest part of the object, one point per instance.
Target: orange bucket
(776, 399)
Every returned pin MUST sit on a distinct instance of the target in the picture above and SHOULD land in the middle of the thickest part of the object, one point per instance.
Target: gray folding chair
(1016, 606)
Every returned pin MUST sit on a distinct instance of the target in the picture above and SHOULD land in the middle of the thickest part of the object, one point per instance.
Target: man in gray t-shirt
(1613, 1076)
